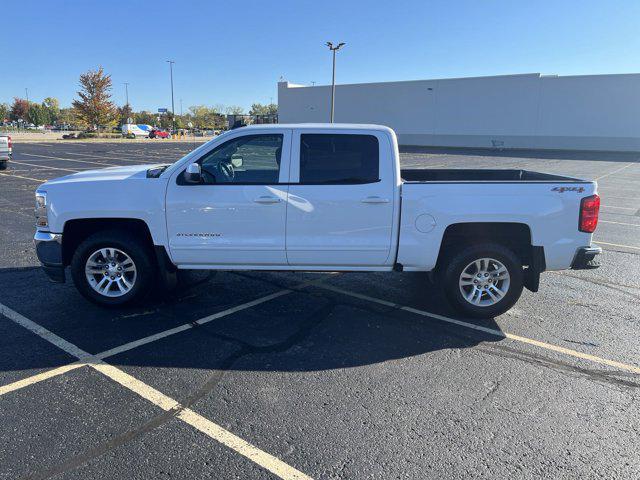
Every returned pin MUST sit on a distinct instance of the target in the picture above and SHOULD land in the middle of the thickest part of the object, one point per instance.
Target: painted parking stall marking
(209, 428)
(547, 346)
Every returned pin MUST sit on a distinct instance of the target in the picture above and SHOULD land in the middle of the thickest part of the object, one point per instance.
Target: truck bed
(420, 175)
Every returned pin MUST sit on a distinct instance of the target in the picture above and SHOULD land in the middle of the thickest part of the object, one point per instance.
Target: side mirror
(236, 162)
(193, 174)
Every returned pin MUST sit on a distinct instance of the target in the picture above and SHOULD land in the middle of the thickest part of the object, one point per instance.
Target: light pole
(26, 92)
(126, 90)
(173, 112)
(333, 76)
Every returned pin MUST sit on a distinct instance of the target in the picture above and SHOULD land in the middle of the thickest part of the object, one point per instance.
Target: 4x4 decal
(567, 189)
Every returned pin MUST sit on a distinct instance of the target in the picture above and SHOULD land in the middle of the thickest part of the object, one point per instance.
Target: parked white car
(6, 150)
(314, 197)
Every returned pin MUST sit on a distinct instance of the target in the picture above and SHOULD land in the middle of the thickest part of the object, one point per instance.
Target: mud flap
(537, 265)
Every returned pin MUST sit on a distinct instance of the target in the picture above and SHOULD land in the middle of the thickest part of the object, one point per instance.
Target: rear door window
(338, 159)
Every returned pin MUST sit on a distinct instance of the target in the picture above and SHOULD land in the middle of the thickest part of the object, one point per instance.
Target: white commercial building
(588, 112)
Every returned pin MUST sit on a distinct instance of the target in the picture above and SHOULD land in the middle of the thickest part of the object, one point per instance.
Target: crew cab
(6, 149)
(314, 197)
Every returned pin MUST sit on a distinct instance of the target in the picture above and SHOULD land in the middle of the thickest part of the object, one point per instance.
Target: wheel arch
(515, 236)
(77, 230)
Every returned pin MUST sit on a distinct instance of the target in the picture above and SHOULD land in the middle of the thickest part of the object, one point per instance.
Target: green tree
(145, 117)
(260, 109)
(4, 112)
(37, 114)
(94, 109)
(19, 109)
(124, 113)
(166, 121)
(67, 116)
(52, 107)
(234, 110)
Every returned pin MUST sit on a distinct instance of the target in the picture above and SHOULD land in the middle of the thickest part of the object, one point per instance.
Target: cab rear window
(338, 159)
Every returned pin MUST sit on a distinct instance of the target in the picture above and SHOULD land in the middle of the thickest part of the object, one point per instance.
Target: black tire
(131, 246)
(464, 256)
(3, 165)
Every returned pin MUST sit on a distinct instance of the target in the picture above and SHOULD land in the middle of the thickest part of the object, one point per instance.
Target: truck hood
(104, 174)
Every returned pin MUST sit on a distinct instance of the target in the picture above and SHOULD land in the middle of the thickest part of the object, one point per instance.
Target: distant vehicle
(5, 150)
(324, 197)
(132, 130)
(157, 133)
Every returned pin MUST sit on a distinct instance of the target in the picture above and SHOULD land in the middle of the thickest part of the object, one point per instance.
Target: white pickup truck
(5, 150)
(314, 197)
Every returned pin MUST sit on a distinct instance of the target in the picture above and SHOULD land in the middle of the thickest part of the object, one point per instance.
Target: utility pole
(180, 107)
(333, 76)
(26, 91)
(126, 89)
(173, 111)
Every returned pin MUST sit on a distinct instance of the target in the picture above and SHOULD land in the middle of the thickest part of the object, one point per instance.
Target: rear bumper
(585, 258)
(49, 251)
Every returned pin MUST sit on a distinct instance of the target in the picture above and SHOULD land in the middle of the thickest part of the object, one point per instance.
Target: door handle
(375, 199)
(267, 199)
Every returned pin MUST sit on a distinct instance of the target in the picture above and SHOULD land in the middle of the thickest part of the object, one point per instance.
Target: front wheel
(483, 281)
(112, 268)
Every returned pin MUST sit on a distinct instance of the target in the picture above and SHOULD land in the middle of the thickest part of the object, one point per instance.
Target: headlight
(41, 209)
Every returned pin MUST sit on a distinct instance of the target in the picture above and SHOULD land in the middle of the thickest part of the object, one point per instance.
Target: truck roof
(331, 126)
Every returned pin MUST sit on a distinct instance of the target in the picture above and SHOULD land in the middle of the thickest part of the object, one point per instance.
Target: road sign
(190, 125)
(129, 120)
(162, 110)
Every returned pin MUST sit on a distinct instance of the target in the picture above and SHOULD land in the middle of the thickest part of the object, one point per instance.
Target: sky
(234, 52)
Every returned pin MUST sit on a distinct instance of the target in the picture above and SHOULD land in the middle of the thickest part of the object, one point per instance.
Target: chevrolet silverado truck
(314, 197)
(5, 150)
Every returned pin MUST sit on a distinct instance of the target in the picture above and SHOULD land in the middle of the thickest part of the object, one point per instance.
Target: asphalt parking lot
(283, 375)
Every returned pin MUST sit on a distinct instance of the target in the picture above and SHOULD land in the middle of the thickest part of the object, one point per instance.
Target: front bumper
(49, 251)
(584, 259)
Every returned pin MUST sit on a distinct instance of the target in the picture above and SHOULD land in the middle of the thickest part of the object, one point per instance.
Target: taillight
(9, 139)
(589, 209)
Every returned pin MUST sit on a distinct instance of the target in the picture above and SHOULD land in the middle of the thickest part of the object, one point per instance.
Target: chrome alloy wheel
(110, 272)
(484, 282)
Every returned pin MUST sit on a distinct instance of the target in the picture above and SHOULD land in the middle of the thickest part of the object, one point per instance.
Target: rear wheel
(483, 281)
(112, 268)
(3, 164)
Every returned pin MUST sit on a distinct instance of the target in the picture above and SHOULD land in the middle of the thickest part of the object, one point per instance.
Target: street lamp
(126, 90)
(173, 112)
(333, 76)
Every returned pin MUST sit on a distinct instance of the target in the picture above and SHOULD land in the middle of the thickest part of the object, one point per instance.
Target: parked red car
(158, 133)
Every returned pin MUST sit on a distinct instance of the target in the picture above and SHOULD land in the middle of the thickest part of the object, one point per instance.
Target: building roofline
(537, 75)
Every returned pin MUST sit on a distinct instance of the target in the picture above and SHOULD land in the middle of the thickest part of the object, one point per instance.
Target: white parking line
(70, 160)
(621, 208)
(547, 346)
(13, 162)
(187, 326)
(24, 178)
(615, 171)
(25, 382)
(616, 245)
(143, 341)
(112, 158)
(620, 223)
(206, 426)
